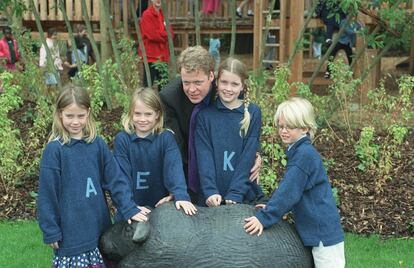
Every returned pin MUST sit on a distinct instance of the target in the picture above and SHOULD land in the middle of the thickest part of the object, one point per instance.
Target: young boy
(304, 189)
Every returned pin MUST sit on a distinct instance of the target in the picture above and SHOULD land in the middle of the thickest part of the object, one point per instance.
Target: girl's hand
(54, 245)
(262, 206)
(187, 206)
(141, 216)
(213, 200)
(253, 226)
(230, 202)
(254, 172)
(164, 200)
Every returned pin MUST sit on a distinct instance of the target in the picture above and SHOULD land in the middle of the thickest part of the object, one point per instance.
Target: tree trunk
(233, 27)
(104, 25)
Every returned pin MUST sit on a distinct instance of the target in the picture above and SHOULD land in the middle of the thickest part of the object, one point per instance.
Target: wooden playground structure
(285, 26)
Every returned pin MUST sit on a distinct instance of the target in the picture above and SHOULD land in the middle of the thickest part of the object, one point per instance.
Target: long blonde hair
(238, 68)
(298, 113)
(150, 98)
(72, 94)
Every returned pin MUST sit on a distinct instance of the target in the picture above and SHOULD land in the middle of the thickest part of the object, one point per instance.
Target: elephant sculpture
(214, 237)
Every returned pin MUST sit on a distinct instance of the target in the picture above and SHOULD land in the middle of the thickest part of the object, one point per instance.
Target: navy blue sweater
(306, 191)
(153, 165)
(224, 158)
(72, 207)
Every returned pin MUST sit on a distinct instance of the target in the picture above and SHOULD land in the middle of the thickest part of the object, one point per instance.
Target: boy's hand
(253, 226)
(187, 206)
(54, 245)
(213, 200)
(254, 172)
(164, 200)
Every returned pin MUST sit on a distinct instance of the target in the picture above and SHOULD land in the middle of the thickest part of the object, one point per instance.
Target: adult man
(9, 53)
(183, 98)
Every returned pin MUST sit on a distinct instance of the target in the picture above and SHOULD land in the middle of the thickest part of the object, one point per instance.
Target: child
(305, 189)
(214, 50)
(149, 156)
(249, 8)
(75, 170)
(50, 78)
(227, 139)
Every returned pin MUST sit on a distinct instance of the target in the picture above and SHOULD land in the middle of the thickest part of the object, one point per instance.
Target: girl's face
(144, 119)
(289, 134)
(229, 88)
(74, 119)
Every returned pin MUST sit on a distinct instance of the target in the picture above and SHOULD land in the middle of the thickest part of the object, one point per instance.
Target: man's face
(196, 84)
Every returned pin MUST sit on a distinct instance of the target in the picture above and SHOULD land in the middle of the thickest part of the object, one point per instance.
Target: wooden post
(296, 22)
(257, 32)
(125, 20)
(282, 31)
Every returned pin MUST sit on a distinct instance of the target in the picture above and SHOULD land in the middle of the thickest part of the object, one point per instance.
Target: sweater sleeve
(174, 179)
(121, 155)
(49, 192)
(240, 183)
(117, 184)
(150, 29)
(205, 158)
(289, 193)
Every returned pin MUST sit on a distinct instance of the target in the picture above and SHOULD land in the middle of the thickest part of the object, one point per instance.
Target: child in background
(214, 50)
(249, 4)
(318, 35)
(226, 140)
(75, 170)
(304, 189)
(149, 156)
(51, 41)
(211, 7)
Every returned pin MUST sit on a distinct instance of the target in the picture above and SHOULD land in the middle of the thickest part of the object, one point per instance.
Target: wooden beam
(257, 32)
(297, 8)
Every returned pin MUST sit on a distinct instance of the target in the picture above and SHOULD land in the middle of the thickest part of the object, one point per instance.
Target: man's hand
(187, 206)
(253, 226)
(214, 200)
(254, 172)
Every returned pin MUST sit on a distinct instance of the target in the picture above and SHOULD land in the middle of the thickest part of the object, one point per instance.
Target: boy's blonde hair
(298, 113)
(72, 94)
(151, 99)
(238, 68)
(196, 58)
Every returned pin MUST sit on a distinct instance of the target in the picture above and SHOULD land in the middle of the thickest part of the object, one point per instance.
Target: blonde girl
(149, 156)
(75, 171)
(227, 139)
(304, 189)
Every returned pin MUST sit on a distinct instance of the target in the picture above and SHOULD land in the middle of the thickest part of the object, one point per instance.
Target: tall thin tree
(173, 67)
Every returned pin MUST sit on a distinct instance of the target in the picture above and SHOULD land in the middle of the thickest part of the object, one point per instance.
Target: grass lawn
(22, 246)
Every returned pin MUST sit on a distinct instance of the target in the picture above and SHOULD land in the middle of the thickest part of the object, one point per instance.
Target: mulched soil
(363, 209)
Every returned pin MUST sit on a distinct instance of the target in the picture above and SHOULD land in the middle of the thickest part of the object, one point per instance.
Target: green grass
(22, 246)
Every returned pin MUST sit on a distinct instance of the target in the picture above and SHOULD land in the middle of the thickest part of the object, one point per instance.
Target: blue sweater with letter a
(72, 207)
(225, 158)
(153, 165)
(306, 191)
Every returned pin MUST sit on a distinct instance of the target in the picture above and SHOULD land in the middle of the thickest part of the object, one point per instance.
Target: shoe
(250, 13)
(327, 75)
(238, 13)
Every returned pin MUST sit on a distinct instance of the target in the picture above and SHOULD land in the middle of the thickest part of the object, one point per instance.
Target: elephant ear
(142, 232)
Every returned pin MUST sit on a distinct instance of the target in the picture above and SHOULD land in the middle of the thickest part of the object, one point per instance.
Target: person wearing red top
(9, 53)
(155, 38)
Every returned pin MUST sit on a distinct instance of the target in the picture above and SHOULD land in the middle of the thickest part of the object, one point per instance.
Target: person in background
(9, 51)
(247, 3)
(227, 137)
(50, 79)
(318, 35)
(211, 7)
(148, 155)
(214, 50)
(155, 40)
(305, 189)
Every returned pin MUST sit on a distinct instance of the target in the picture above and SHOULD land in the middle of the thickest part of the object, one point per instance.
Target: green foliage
(365, 149)
(162, 68)
(335, 192)
(10, 143)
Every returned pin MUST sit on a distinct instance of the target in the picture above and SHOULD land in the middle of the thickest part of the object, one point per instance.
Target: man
(9, 52)
(183, 98)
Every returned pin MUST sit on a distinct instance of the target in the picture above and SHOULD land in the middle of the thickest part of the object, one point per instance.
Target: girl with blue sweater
(304, 189)
(227, 139)
(149, 156)
(75, 171)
